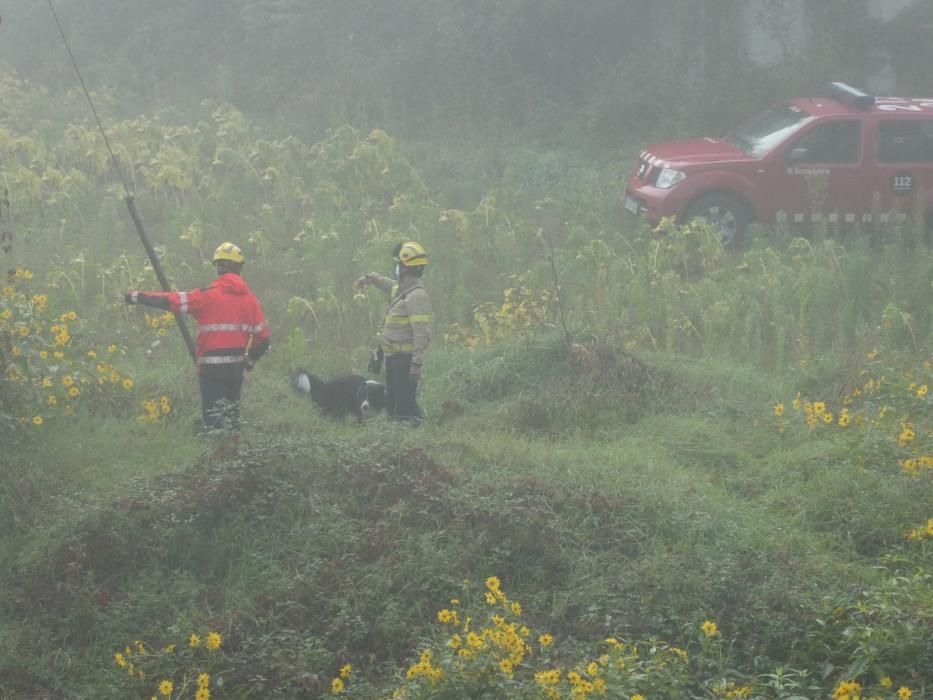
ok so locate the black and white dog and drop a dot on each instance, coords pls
(342, 396)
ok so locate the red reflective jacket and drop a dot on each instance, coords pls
(229, 317)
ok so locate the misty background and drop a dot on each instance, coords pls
(591, 76)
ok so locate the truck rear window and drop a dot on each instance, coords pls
(764, 132)
(905, 141)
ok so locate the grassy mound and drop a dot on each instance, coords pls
(613, 497)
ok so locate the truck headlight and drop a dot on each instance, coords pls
(668, 177)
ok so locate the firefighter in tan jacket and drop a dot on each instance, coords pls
(406, 331)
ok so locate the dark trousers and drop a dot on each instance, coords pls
(401, 390)
(220, 395)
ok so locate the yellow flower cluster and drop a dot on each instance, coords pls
(107, 373)
(161, 322)
(868, 407)
(337, 684)
(46, 355)
(137, 655)
(523, 309)
(907, 434)
(912, 466)
(731, 690)
(203, 692)
(922, 532)
(499, 652)
(424, 668)
(710, 629)
(848, 690)
(40, 301)
(154, 410)
(61, 334)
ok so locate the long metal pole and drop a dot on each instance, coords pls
(129, 199)
(156, 265)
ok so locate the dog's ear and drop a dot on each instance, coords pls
(305, 382)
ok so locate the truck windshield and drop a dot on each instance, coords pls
(762, 133)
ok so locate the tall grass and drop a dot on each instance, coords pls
(633, 483)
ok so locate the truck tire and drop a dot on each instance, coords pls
(725, 212)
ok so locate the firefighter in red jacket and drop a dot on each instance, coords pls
(232, 334)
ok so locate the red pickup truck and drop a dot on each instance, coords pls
(848, 158)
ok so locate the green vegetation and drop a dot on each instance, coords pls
(724, 465)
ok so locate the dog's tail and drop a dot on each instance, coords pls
(305, 382)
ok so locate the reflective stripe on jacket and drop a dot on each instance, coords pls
(229, 318)
(407, 325)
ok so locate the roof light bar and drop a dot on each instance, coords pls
(851, 96)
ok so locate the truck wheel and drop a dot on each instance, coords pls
(728, 215)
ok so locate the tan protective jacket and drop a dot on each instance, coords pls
(407, 325)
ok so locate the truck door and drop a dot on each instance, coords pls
(905, 163)
(821, 173)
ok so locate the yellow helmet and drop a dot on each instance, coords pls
(411, 254)
(229, 251)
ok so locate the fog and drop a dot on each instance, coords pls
(538, 349)
(551, 70)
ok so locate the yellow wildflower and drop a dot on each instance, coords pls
(903, 693)
(710, 629)
(847, 690)
(336, 686)
(922, 391)
(546, 640)
(346, 670)
(194, 641)
(165, 687)
(111, 348)
(204, 680)
(779, 409)
(907, 434)
(37, 420)
(213, 641)
(127, 384)
(202, 694)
